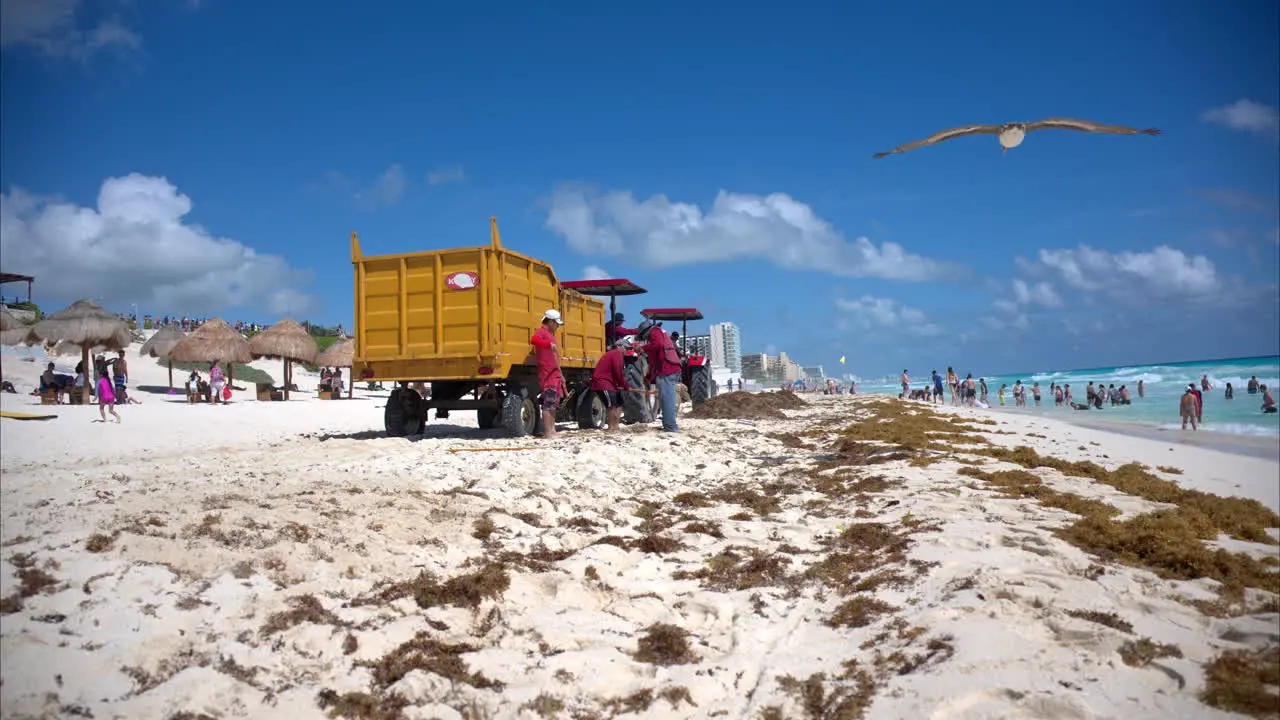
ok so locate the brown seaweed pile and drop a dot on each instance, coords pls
(749, 406)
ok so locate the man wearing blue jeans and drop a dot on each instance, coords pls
(664, 368)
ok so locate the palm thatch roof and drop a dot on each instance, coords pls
(286, 340)
(162, 342)
(70, 348)
(22, 335)
(85, 323)
(214, 340)
(339, 354)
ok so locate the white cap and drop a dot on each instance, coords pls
(553, 315)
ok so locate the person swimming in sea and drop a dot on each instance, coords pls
(1229, 392)
(1268, 402)
(1252, 387)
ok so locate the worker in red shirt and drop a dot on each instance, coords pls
(609, 383)
(664, 369)
(614, 330)
(550, 380)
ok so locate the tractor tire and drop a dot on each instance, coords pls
(699, 385)
(590, 410)
(403, 414)
(635, 405)
(520, 414)
(488, 419)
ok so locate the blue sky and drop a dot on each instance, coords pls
(209, 159)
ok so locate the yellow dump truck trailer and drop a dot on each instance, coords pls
(461, 319)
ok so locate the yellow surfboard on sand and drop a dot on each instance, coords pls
(24, 416)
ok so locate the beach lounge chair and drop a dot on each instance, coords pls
(268, 393)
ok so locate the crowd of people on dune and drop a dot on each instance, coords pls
(191, 324)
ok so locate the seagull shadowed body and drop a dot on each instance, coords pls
(1012, 134)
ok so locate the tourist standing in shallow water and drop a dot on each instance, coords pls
(1187, 407)
(1141, 391)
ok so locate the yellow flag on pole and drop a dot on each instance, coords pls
(841, 359)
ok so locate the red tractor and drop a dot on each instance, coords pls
(590, 410)
(696, 371)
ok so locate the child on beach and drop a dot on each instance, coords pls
(215, 383)
(1000, 392)
(106, 397)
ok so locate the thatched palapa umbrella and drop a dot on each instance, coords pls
(214, 340)
(161, 344)
(288, 341)
(69, 348)
(340, 354)
(85, 324)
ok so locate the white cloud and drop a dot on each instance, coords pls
(50, 27)
(595, 272)
(1241, 200)
(1162, 272)
(660, 233)
(869, 313)
(1247, 116)
(135, 247)
(1016, 321)
(386, 190)
(1042, 294)
(447, 174)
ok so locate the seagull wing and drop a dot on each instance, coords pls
(944, 135)
(1087, 126)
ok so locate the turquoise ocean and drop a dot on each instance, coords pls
(1163, 384)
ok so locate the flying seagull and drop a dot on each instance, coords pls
(1011, 134)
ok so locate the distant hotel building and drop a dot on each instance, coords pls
(770, 368)
(700, 345)
(726, 347)
(815, 373)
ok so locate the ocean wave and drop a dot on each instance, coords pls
(1239, 384)
(1231, 429)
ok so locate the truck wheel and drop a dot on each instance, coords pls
(487, 419)
(590, 410)
(520, 413)
(700, 385)
(635, 406)
(403, 414)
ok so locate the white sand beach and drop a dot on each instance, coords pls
(285, 560)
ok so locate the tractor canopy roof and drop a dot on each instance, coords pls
(604, 287)
(671, 314)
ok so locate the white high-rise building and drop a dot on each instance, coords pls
(726, 346)
(698, 345)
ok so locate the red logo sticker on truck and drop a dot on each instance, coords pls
(462, 281)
